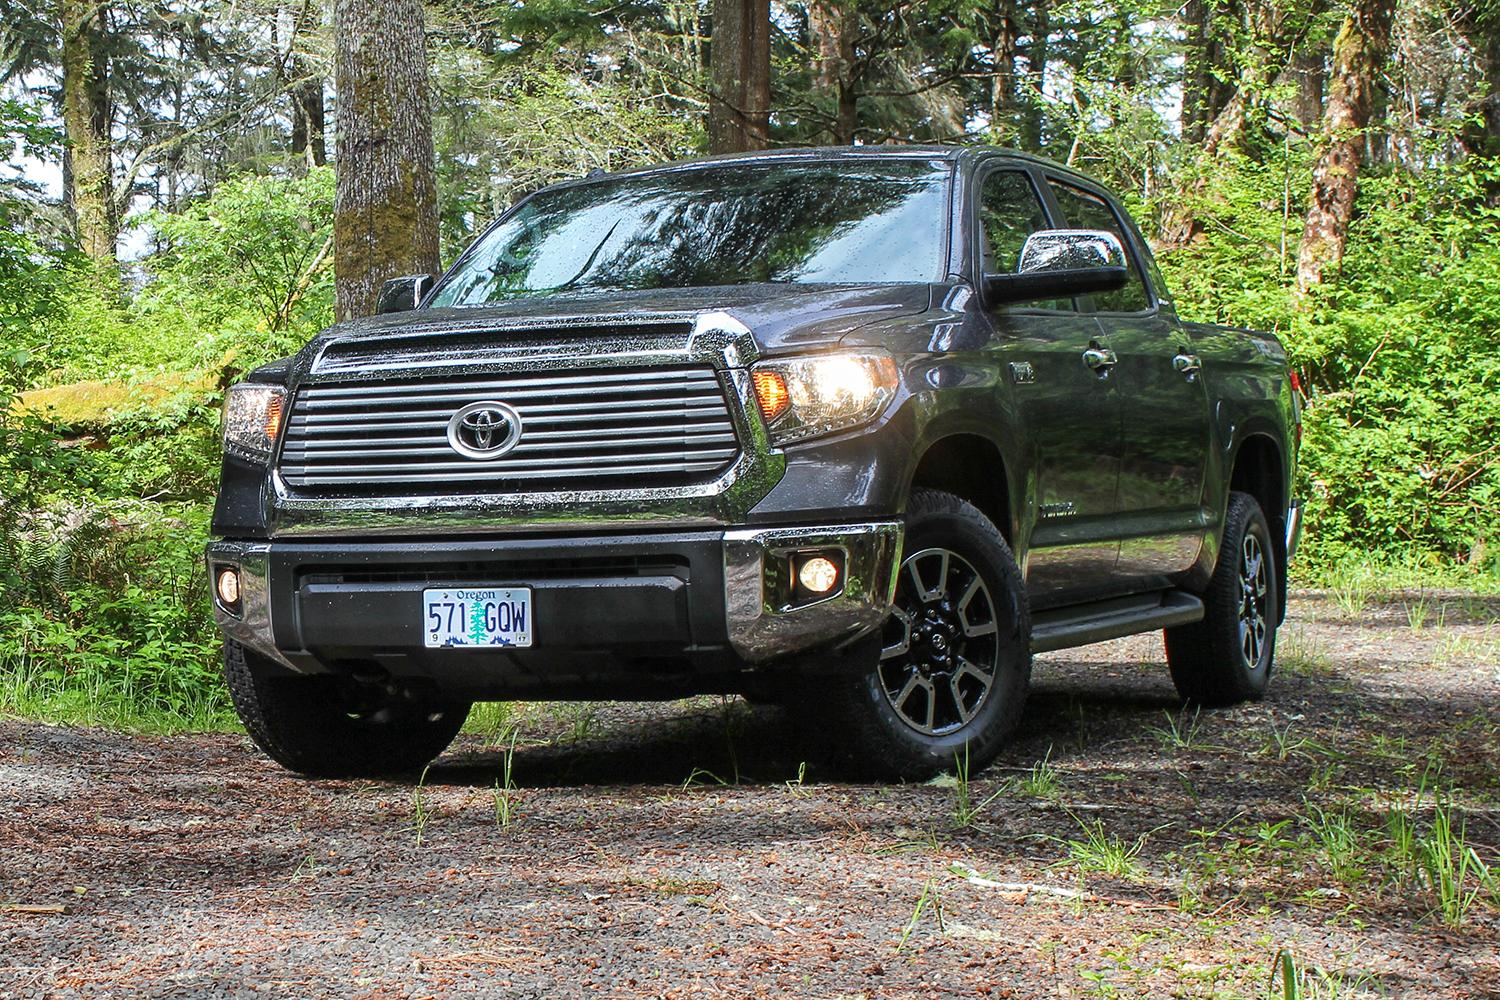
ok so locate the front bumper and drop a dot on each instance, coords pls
(696, 602)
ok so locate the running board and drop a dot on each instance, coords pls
(1064, 628)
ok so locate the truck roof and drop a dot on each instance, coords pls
(952, 154)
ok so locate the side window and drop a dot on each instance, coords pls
(1010, 211)
(1083, 210)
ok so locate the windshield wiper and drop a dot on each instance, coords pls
(587, 264)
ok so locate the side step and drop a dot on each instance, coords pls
(1063, 628)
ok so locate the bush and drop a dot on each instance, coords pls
(104, 619)
(1399, 458)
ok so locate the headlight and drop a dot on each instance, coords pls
(252, 420)
(822, 393)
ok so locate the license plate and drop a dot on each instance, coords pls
(462, 617)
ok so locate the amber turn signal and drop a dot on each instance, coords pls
(273, 418)
(770, 390)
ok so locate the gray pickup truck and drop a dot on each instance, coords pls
(853, 430)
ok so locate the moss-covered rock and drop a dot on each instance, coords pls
(95, 404)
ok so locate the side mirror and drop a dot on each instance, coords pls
(1062, 263)
(405, 293)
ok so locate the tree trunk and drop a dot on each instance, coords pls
(1309, 76)
(833, 35)
(1480, 24)
(1196, 76)
(1036, 72)
(1358, 54)
(308, 120)
(825, 23)
(1003, 82)
(740, 75)
(385, 207)
(86, 123)
(1204, 95)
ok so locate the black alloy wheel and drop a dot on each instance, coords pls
(941, 646)
(949, 680)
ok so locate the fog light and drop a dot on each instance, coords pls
(229, 586)
(818, 574)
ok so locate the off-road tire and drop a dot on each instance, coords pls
(1207, 658)
(304, 723)
(869, 735)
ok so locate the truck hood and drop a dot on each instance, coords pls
(780, 316)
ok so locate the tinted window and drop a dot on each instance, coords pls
(1083, 210)
(841, 222)
(1010, 211)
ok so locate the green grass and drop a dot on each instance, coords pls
(966, 808)
(1180, 732)
(1363, 579)
(1042, 781)
(1311, 983)
(128, 699)
(507, 800)
(1107, 853)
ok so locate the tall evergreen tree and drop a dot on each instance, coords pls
(385, 213)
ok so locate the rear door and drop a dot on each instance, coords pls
(1163, 516)
(1068, 412)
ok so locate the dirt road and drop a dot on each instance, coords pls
(1153, 853)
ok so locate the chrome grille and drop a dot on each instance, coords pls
(581, 429)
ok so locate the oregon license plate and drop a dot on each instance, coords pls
(463, 617)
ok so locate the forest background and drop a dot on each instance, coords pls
(1326, 169)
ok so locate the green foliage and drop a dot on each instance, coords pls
(102, 619)
(258, 254)
(504, 132)
(1399, 456)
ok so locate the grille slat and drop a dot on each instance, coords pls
(335, 438)
(518, 384)
(665, 426)
(440, 449)
(707, 407)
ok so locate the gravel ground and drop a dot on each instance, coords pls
(669, 850)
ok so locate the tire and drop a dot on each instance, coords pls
(330, 727)
(1227, 657)
(951, 677)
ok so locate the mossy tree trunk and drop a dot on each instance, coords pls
(86, 123)
(740, 76)
(385, 208)
(1359, 53)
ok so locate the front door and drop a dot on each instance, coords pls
(1067, 411)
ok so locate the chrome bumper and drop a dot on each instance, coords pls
(764, 614)
(763, 620)
(251, 627)
(1293, 528)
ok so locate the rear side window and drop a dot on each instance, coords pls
(1083, 210)
(1010, 211)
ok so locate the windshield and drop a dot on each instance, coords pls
(840, 222)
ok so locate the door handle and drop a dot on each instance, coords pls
(1100, 359)
(1187, 364)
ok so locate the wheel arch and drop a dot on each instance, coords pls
(972, 467)
(1258, 467)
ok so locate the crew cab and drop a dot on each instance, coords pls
(856, 430)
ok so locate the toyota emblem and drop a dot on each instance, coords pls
(485, 430)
